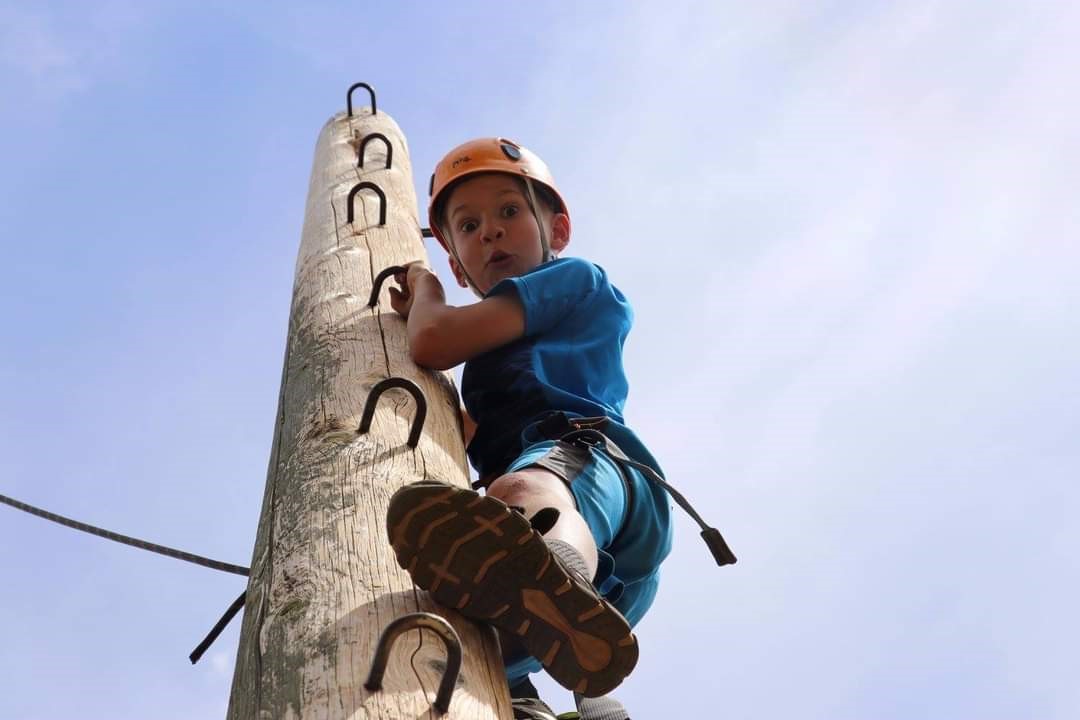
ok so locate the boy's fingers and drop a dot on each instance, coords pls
(402, 276)
(415, 273)
(399, 302)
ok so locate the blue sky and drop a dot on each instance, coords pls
(849, 233)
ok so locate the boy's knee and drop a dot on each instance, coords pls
(512, 487)
(526, 487)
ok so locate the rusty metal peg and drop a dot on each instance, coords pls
(383, 386)
(376, 287)
(415, 621)
(350, 214)
(364, 144)
(348, 97)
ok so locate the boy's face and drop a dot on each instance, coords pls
(495, 233)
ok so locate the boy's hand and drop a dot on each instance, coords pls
(414, 276)
(442, 336)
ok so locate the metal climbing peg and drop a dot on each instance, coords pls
(348, 96)
(376, 287)
(415, 621)
(383, 386)
(350, 213)
(364, 144)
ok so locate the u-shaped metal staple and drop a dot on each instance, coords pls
(364, 144)
(373, 399)
(350, 213)
(376, 287)
(415, 621)
(348, 97)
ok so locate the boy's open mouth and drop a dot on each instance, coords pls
(497, 257)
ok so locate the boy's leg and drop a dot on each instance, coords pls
(532, 490)
(476, 555)
(535, 489)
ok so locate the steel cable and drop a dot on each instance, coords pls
(125, 539)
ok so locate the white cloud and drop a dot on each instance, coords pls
(57, 54)
(31, 46)
(222, 664)
(839, 228)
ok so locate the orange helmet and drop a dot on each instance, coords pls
(486, 155)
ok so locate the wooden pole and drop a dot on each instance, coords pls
(324, 583)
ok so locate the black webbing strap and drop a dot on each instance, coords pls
(590, 430)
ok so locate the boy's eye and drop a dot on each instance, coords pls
(509, 211)
(468, 226)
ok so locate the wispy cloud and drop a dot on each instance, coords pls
(838, 225)
(222, 664)
(31, 46)
(59, 53)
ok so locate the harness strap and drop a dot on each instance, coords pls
(589, 438)
(589, 430)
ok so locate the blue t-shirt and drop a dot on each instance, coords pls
(569, 360)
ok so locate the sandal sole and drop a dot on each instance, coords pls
(476, 555)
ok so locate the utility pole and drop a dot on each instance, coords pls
(324, 583)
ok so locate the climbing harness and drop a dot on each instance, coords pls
(588, 432)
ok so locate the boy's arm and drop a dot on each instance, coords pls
(442, 336)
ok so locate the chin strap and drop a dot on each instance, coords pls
(453, 251)
(545, 246)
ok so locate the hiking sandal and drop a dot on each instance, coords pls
(476, 555)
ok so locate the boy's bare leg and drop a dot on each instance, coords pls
(535, 489)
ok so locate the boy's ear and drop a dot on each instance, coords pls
(560, 232)
(459, 275)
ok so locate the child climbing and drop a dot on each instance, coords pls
(562, 553)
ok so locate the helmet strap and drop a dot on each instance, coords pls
(453, 251)
(545, 246)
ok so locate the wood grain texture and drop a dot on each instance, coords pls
(324, 582)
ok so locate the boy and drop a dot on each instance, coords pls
(563, 552)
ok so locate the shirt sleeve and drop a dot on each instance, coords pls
(551, 291)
